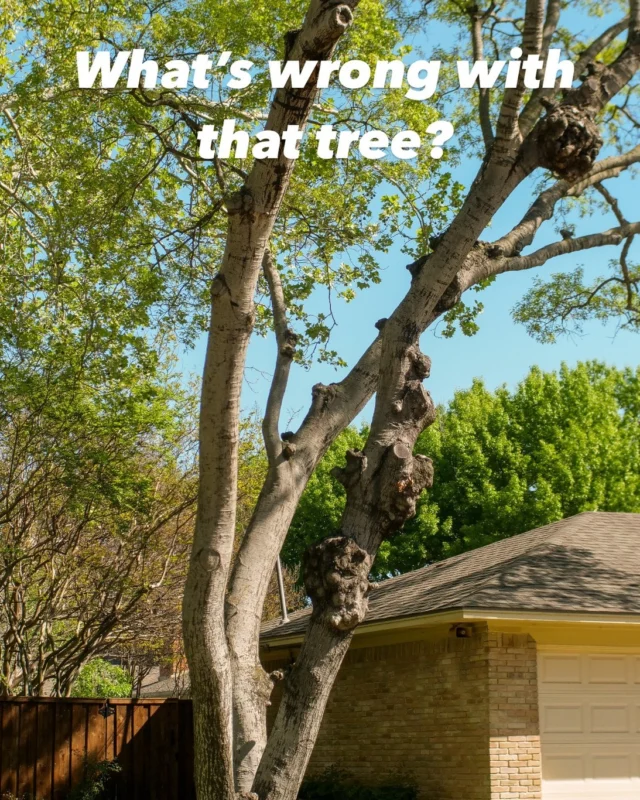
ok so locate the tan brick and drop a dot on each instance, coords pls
(459, 715)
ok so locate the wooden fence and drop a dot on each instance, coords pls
(46, 744)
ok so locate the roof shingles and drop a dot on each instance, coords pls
(586, 563)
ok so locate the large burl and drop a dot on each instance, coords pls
(336, 576)
(568, 140)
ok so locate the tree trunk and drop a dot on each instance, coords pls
(251, 685)
(382, 484)
(384, 481)
(332, 411)
(252, 214)
(307, 691)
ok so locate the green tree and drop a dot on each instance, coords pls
(107, 205)
(505, 462)
(509, 461)
(99, 678)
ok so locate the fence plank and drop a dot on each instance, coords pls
(170, 727)
(186, 757)
(139, 772)
(44, 754)
(124, 726)
(78, 742)
(45, 744)
(95, 734)
(27, 750)
(62, 751)
(10, 728)
(110, 749)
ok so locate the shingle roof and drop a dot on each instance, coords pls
(587, 563)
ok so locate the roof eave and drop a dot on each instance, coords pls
(471, 615)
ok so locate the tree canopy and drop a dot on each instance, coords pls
(105, 190)
(505, 461)
(120, 244)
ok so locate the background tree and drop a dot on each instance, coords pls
(98, 502)
(104, 190)
(99, 678)
(506, 462)
(97, 505)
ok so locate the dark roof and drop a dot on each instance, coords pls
(587, 563)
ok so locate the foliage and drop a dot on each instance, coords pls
(96, 502)
(564, 302)
(99, 678)
(336, 784)
(505, 462)
(98, 776)
(112, 229)
(122, 206)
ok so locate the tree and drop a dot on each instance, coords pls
(97, 505)
(559, 444)
(147, 213)
(506, 462)
(99, 678)
(98, 502)
(384, 479)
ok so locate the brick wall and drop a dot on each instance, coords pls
(513, 715)
(417, 708)
(459, 715)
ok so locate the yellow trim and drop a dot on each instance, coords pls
(496, 616)
(425, 620)
(576, 617)
(589, 648)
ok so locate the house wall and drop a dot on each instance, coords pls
(457, 715)
(514, 733)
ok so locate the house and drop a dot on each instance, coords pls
(512, 671)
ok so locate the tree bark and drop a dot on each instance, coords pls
(332, 410)
(384, 481)
(252, 213)
(383, 484)
(307, 691)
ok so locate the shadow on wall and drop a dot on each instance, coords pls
(46, 745)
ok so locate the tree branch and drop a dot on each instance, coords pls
(544, 205)
(534, 107)
(286, 342)
(613, 236)
(532, 38)
(611, 200)
(550, 25)
(484, 94)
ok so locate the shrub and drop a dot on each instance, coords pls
(97, 781)
(99, 678)
(337, 784)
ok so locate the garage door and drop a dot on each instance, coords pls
(590, 725)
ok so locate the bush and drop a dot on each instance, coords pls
(97, 780)
(99, 678)
(336, 784)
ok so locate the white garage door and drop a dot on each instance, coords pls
(590, 725)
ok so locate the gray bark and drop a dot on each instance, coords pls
(252, 213)
(231, 690)
(333, 409)
(375, 505)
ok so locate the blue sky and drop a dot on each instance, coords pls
(502, 352)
